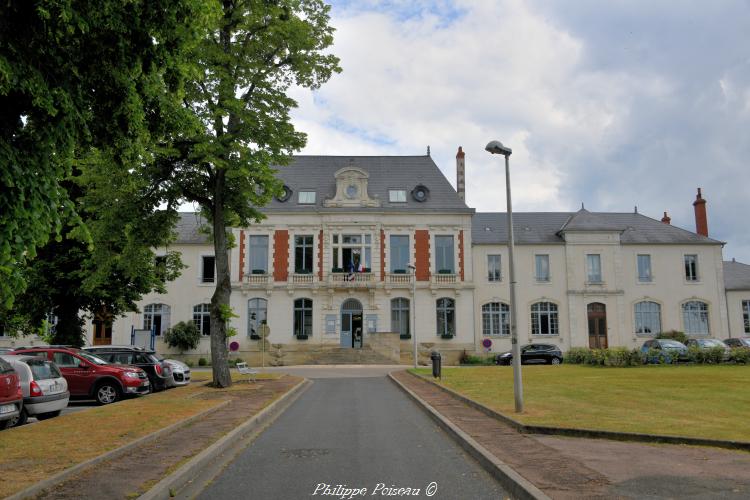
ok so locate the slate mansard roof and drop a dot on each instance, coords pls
(549, 227)
(317, 173)
(736, 275)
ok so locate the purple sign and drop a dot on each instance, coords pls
(234, 346)
(487, 343)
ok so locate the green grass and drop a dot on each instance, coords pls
(697, 401)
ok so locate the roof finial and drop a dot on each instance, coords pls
(428, 150)
(582, 207)
(635, 209)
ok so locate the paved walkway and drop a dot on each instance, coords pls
(570, 468)
(357, 431)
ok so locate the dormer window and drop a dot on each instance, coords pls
(306, 198)
(397, 195)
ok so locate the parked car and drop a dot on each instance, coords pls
(180, 372)
(737, 342)
(706, 344)
(158, 373)
(533, 354)
(11, 397)
(89, 376)
(672, 350)
(45, 390)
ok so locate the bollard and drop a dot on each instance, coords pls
(436, 365)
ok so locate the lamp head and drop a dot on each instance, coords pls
(497, 148)
(411, 266)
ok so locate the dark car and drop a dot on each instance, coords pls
(90, 376)
(672, 350)
(533, 354)
(11, 397)
(706, 344)
(737, 342)
(158, 372)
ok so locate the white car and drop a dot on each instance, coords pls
(180, 373)
(45, 390)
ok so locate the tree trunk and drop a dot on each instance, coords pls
(69, 328)
(220, 299)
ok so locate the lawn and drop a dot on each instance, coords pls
(697, 401)
(34, 452)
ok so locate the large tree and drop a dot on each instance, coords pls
(76, 74)
(247, 64)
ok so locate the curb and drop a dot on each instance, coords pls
(166, 488)
(590, 433)
(517, 486)
(45, 484)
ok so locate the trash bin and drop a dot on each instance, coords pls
(436, 364)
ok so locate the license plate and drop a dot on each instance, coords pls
(7, 409)
(55, 388)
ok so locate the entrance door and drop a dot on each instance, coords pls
(597, 314)
(351, 324)
(102, 327)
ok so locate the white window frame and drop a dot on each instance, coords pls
(306, 197)
(366, 247)
(691, 275)
(293, 242)
(537, 277)
(398, 311)
(594, 268)
(201, 276)
(453, 252)
(538, 311)
(389, 253)
(397, 195)
(648, 276)
(157, 309)
(304, 310)
(249, 255)
(647, 313)
(448, 306)
(495, 319)
(201, 317)
(695, 312)
(254, 323)
(495, 275)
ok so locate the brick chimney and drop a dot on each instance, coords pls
(701, 219)
(460, 174)
(666, 219)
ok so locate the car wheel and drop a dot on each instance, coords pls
(49, 414)
(107, 393)
(555, 361)
(21, 419)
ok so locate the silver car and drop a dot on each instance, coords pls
(180, 373)
(45, 390)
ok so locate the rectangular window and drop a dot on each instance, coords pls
(644, 268)
(306, 197)
(257, 254)
(208, 272)
(444, 262)
(691, 267)
(594, 268)
(352, 253)
(541, 267)
(303, 254)
(397, 195)
(746, 315)
(399, 253)
(493, 268)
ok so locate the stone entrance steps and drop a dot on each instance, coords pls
(346, 356)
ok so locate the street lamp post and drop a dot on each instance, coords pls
(413, 309)
(496, 147)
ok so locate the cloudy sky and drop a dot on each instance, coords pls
(614, 104)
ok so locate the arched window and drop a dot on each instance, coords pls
(156, 316)
(496, 319)
(202, 318)
(446, 317)
(303, 318)
(257, 314)
(647, 318)
(544, 320)
(400, 317)
(695, 317)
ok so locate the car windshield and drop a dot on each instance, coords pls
(91, 358)
(42, 369)
(5, 367)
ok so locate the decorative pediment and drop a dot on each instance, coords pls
(351, 189)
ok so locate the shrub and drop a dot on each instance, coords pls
(674, 335)
(714, 355)
(470, 359)
(622, 356)
(183, 335)
(740, 355)
(202, 362)
(576, 355)
(190, 363)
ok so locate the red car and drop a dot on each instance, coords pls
(11, 397)
(89, 376)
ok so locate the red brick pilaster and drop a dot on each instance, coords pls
(461, 254)
(281, 255)
(382, 255)
(320, 255)
(242, 254)
(422, 251)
